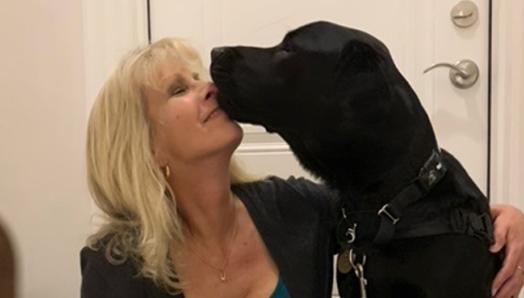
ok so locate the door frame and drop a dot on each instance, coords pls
(506, 127)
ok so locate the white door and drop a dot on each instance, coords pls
(418, 33)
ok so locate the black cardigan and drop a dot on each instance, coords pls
(296, 220)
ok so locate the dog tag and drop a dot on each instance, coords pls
(343, 263)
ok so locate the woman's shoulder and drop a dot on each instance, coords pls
(274, 185)
(95, 259)
(101, 278)
(104, 278)
(296, 193)
(304, 186)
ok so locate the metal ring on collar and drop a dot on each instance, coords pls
(353, 261)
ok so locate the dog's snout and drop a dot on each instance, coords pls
(217, 52)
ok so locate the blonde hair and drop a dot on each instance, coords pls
(139, 207)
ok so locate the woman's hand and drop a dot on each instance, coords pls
(509, 235)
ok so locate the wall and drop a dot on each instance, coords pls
(43, 197)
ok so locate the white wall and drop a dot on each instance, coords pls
(43, 197)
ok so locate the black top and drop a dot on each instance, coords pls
(296, 220)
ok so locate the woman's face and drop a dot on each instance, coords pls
(187, 124)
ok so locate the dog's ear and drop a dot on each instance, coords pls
(357, 56)
(360, 71)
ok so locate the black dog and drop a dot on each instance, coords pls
(335, 95)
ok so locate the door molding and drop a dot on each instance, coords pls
(507, 107)
(110, 29)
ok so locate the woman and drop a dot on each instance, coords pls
(181, 219)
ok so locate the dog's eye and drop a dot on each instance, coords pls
(287, 47)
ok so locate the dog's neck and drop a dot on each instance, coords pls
(368, 176)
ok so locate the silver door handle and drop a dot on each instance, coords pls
(462, 15)
(462, 74)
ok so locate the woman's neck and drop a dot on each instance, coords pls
(205, 201)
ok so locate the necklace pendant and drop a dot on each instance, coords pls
(223, 277)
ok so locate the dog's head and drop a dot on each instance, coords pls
(319, 72)
(334, 94)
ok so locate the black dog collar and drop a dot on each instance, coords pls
(459, 221)
(429, 175)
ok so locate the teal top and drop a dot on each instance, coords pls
(280, 291)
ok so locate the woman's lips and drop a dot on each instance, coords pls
(213, 113)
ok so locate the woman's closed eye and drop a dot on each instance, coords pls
(177, 90)
(180, 86)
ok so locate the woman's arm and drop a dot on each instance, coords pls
(509, 235)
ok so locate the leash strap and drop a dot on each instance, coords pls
(459, 222)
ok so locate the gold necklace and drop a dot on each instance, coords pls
(221, 271)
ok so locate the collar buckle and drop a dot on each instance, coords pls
(388, 214)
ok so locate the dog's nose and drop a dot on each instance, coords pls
(217, 52)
